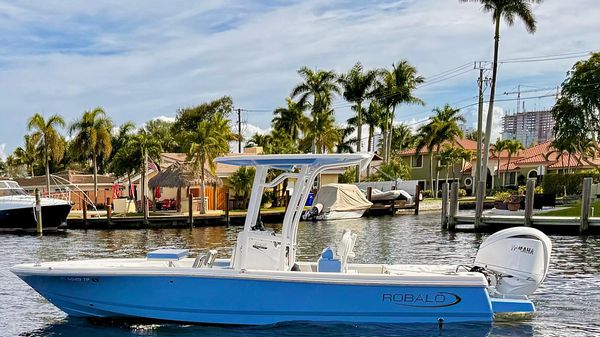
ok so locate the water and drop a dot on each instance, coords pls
(567, 303)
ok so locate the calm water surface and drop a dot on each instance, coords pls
(568, 302)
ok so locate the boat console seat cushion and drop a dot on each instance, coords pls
(167, 254)
(328, 263)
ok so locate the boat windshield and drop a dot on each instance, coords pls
(10, 188)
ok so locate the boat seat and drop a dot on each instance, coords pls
(205, 261)
(346, 248)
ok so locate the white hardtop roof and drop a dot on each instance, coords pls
(289, 161)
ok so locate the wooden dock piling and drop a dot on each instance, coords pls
(444, 206)
(191, 210)
(453, 206)
(227, 208)
(417, 199)
(84, 211)
(369, 192)
(529, 193)
(586, 200)
(38, 211)
(109, 213)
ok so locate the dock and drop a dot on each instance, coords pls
(452, 220)
(170, 220)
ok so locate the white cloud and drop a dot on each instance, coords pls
(139, 61)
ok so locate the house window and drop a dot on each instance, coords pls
(417, 161)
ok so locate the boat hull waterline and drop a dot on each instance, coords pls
(23, 218)
(215, 300)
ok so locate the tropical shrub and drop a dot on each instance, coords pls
(570, 183)
(427, 193)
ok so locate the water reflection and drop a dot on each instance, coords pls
(566, 302)
(76, 328)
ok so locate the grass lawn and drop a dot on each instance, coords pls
(574, 210)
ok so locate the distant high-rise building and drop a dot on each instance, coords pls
(529, 127)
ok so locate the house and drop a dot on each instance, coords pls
(72, 185)
(502, 171)
(419, 164)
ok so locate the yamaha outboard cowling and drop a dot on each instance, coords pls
(515, 260)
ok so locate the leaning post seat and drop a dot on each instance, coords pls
(328, 263)
(170, 255)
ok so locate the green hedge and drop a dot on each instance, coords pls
(556, 182)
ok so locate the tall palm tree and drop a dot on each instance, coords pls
(93, 139)
(507, 10)
(48, 139)
(321, 86)
(27, 155)
(291, 118)
(442, 127)
(396, 86)
(209, 141)
(497, 148)
(356, 86)
(513, 147)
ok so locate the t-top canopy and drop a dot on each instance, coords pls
(289, 161)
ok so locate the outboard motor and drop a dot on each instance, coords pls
(313, 212)
(515, 260)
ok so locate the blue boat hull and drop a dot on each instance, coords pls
(231, 300)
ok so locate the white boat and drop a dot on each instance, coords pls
(379, 195)
(264, 283)
(337, 202)
(17, 209)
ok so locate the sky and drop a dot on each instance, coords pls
(145, 59)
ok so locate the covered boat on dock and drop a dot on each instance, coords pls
(263, 282)
(338, 201)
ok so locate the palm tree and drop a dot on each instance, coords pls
(209, 141)
(404, 138)
(442, 127)
(27, 155)
(356, 85)
(93, 139)
(319, 85)
(497, 148)
(374, 118)
(322, 133)
(48, 140)
(241, 182)
(346, 142)
(396, 86)
(507, 10)
(291, 118)
(261, 140)
(513, 147)
(586, 148)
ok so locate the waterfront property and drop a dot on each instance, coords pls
(72, 185)
(504, 169)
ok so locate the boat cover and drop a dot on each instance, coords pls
(341, 197)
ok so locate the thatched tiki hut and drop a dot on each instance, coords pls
(181, 175)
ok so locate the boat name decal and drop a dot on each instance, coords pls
(80, 279)
(424, 300)
(522, 249)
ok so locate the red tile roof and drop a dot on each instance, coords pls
(464, 143)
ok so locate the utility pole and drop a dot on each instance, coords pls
(239, 113)
(478, 186)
